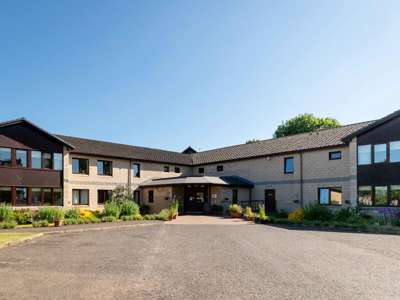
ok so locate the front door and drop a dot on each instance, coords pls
(270, 201)
(195, 198)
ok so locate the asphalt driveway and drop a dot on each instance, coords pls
(202, 259)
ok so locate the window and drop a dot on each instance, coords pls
(36, 159)
(80, 166)
(395, 195)
(177, 170)
(330, 196)
(201, 170)
(80, 197)
(36, 196)
(166, 169)
(104, 167)
(136, 170)
(58, 197)
(103, 196)
(21, 196)
(335, 155)
(151, 196)
(47, 197)
(21, 158)
(5, 195)
(395, 151)
(5, 157)
(136, 196)
(380, 153)
(47, 161)
(58, 161)
(220, 168)
(234, 196)
(365, 195)
(364, 155)
(289, 165)
(381, 194)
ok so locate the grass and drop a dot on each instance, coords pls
(10, 237)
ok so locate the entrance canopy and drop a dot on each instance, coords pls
(202, 180)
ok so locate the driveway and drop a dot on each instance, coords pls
(177, 260)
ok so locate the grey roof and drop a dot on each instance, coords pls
(300, 142)
(100, 148)
(213, 180)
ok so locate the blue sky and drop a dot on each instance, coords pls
(169, 74)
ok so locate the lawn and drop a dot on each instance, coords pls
(10, 237)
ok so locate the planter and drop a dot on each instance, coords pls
(58, 223)
(236, 215)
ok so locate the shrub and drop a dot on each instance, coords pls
(40, 223)
(85, 213)
(72, 213)
(93, 219)
(129, 208)
(6, 213)
(111, 209)
(235, 210)
(23, 216)
(108, 219)
(317, 212)
(8, 224)
(174, 208)
(163, 215)
(132, 218)
(122, 194)
(248, 214)
(72, 221)
(50, 214)
(297, 215)
(150, 217)
(261, 213)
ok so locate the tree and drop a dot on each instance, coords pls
(252, 141)
(304, 123)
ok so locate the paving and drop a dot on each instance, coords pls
(202, 258)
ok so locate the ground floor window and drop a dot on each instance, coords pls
(80, 197)
(379, 195)
(330, 196)
(5, 195)
(394, 195)
(103, 196)
(21, 196)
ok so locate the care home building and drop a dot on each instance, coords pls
(353, 165)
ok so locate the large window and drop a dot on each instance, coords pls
(381, 196)
(21, 196)
(58, 197)
(5, 195)
(395, 151)
(21, 158)
(47, 161)
(335, 155)
(380, 153)
(58, 161)
(80, 166)
(395, 195)
(330, 196)
(36, 159)
(5, 157)
(103, 196)
(80, 197)
(365, 195)
(364, 155)
(151, 196)
(36, 196)
(104, 167)
(47, 197)
(289, 165)
(136, 170)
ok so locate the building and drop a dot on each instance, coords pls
(353, 165)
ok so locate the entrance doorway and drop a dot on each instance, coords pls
(270, 201)
(196, 196)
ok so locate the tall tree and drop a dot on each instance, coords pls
(304, 123)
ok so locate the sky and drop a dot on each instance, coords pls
(169, 74)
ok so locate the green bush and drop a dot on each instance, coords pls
(163, 215)
(132, 218)
(6, 213)
(8, 224)
(50, 214)
(346, 214)
(94, 219)
(174, 208)
(129, 208)
(40, 223)
(72, 213)
(262, 216)
(23, 216)
(111, 209)
(317, 212)
(150, 217)
(71, 221)
(108, 219)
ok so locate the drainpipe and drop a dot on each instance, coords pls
(301, 179)
(129, 174)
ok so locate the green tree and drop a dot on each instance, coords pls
(252, 141)
(304, 123)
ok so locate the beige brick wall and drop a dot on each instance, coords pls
(162, 198)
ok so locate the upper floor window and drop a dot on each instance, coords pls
(220, 168)
(289, 165)
(166, 168)
(395, 151)
(136, 170)
(177, 170)
(104, 167)
(47, 161)
(36, 159)
(21, 157)
(80, 166)
(201, 170)
(364, 155)
(330, 196)
(335, 155)
(58, 161)
(5, 157)
(380, 153)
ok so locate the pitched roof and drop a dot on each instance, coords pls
(224, 180)
(101, 148)
(300, 142)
